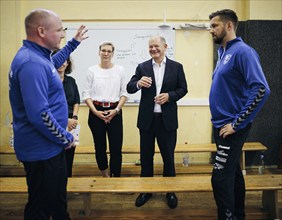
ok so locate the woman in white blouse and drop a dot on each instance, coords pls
(105, 94)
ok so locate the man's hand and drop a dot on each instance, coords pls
(79, 36)
(72, 144)
(162, 98)
(145, 82)
(226, 130)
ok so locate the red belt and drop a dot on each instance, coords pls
(106, 104)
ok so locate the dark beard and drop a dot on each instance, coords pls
(219, 39)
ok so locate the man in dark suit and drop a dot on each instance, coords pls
(162, 83)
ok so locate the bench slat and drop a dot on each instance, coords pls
(180, 148)
(85, 169)
(269, 184)
(195, 183)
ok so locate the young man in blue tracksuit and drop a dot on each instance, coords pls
(40, 114)
(238, 91)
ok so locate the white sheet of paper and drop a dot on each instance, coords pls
(75, 133)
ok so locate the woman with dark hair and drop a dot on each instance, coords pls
(73, 100)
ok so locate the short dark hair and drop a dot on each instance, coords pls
(68, 70)
(226, 15)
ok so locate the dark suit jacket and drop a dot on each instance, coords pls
(174, 83)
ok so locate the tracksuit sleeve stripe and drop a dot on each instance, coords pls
(251, 108)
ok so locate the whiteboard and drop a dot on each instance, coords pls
(131, 48)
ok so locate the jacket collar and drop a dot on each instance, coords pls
(37, 48)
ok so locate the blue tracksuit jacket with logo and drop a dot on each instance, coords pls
(239, 88)
(40, 112)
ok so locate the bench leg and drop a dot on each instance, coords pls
(270, 202)
(87, 203)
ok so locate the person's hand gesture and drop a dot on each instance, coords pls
(72, 144)
(162, 98)
(145, 81)
(109, 115)
(80, 34)
(226, 130)
(72, 123)
(102, 115)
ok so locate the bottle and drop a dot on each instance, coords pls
(185, 160)
(261, 165)
(11, 138)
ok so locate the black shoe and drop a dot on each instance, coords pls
(142, 199)
(171, 200)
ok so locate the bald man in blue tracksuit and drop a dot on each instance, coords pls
(238, 92)
(40, 114)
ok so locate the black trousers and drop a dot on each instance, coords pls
(114, 130)
(69, 160)
(166, 141)
(47, 193)
(227, 178)
(70, 156)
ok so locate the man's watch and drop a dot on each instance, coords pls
(118, 111)
(75, 117)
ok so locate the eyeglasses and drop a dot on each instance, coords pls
(106, 51)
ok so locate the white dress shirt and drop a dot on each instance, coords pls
(159, 70)
(105, 85)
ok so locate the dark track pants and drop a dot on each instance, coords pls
(47, 194)
(227, 178)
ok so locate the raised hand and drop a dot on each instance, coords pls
(80, 34)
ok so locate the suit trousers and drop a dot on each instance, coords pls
(227, 178)
(114, 130)
(69, 160)
(47, 193)
(166, 141)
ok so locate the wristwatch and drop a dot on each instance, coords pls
(75, 117)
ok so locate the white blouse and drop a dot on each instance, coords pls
(105, 85)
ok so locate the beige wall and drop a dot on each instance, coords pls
(265, 10)
(193, 49)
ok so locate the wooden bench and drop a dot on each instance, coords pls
(180, 148)
(269, 184)
(127, 170)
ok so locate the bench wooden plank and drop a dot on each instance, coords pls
(193, 183)
(269, 184)
(86, 169)
(197, 183)
(180, 148)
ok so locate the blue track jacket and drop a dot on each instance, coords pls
(40, 111)
(239, 88)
